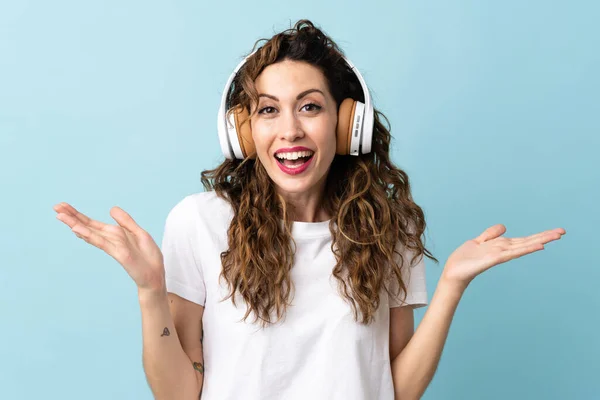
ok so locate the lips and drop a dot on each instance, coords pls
(292, 149)
(294, 160)
(295, 170)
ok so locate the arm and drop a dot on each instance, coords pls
(402, 328)
(414, 367)
(171, 326)
(172, 361)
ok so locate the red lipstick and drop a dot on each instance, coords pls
(294, 170)
(290, 149)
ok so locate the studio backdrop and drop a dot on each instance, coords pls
(493, 108)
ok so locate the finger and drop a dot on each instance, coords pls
(110, 232)
(69, 220)
(87, 221)
(491, 233)
(536, 242)
(75, 225)
(520, 251)
(543, 238)
(93, 238)
(559, 231)
(65, 208)
(126, 221)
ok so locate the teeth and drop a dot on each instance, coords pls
(294, 155)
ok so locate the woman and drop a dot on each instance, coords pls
(296, 273)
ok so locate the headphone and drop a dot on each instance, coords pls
(354, 129)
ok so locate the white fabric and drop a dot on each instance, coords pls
(317, 352)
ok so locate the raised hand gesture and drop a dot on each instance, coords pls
(126, 242)
(489, 249)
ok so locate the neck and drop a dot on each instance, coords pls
(306, 207)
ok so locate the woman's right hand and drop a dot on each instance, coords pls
(126, 242)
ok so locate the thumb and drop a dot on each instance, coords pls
(491, 233)
(125, 220)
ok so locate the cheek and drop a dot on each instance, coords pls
(260, 136)
(327, 136)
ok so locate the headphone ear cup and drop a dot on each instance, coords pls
(243, 129)
(344, 126)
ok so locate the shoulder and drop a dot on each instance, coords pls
(201, 203)
(203, 207)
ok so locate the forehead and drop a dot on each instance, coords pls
(290, 76)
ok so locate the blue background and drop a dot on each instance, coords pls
(494, 108)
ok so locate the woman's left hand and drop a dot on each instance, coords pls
(489, 249)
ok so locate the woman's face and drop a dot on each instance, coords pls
(294, 127)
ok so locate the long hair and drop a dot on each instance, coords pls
(368, 196)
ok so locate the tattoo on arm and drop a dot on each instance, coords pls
(165, 332)
(199, 367)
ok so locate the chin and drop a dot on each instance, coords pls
(304, 182)
(293, 187)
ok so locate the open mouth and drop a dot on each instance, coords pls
(294, 163)
(294, 159)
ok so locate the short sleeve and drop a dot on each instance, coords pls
(413, 276)
(183, 271)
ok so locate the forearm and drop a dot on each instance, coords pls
(414, 367)
(169, 371)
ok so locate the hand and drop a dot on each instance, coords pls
(127, 243)
(489, 249)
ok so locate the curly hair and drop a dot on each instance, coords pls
(370, 200)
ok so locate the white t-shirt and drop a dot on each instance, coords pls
(317, 352)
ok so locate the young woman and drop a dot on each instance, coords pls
(295, 275)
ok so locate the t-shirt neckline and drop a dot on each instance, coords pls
(302, 229)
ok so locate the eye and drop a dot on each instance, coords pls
(266, 110)
(312, 107)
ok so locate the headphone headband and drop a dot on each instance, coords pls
(228, 138)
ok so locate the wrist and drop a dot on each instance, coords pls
(152, 294)
(453, 285)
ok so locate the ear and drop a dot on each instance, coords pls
(344, 126)
(243, 126)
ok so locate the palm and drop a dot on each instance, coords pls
(490, 248)
(127, 243)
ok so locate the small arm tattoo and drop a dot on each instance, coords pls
(199, 367)
(165, 332)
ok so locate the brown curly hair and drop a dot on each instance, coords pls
(368, 196)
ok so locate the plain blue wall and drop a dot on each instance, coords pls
(494, 107)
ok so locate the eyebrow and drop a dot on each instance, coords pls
(301, 95)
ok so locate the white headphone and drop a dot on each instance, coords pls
(354, 129)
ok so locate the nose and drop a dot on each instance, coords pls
(290, 128)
